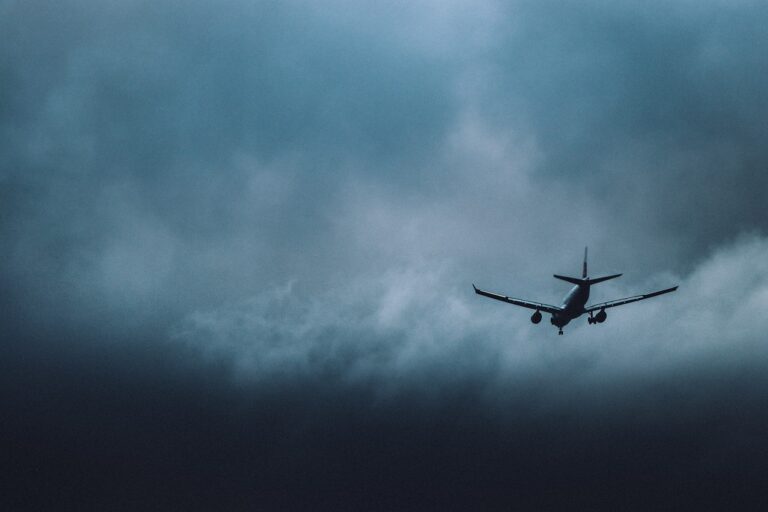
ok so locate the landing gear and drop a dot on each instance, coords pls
(558, 322)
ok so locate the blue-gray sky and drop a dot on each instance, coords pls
(239, 240)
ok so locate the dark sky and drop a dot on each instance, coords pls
(238, 241)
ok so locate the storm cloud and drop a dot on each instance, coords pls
(239, 240)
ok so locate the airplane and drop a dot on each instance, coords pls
(573, 305)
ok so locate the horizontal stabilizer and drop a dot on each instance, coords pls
(595, 280)
(574, 280)
(589, 280)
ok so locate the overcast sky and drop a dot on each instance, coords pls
(239, 239)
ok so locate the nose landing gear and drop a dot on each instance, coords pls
(560, 331)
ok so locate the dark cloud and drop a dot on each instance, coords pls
(653, 111)
(239, 238)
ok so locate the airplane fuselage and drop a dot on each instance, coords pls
(572, 305)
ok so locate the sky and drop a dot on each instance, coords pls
(239, 238)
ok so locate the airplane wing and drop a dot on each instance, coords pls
(627, 300)
(518, 302)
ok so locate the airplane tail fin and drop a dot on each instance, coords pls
(584, 279)
(576, 280)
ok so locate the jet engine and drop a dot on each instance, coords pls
(601, 316)
(536, 317)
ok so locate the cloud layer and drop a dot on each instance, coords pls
(239, 241)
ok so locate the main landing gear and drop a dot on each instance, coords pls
(599, 318)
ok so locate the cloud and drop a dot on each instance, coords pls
(239, 241)
(409, 330)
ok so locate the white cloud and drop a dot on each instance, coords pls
(422, 331)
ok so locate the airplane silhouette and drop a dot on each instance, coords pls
(573, 305)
